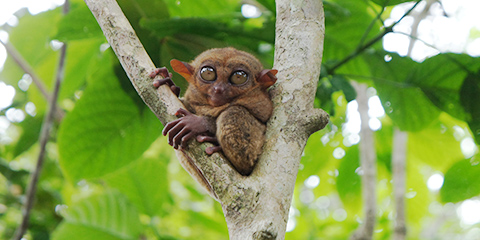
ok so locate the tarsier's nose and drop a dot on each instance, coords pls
(219, 89)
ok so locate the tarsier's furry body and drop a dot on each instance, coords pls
(227, 103)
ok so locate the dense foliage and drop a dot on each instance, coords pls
(109, 173)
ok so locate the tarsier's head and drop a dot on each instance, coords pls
(223, 74)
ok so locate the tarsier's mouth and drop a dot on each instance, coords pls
(218, 100)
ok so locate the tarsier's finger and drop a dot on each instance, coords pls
(182, 112)
(185, 139)
(169, 126)
(160, 71)
(178, 138)
(175, 90)
(174, 131)
(159, 82)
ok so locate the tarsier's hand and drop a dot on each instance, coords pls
(167, 79)
(183, 129)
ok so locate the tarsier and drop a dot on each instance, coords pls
(227, 104)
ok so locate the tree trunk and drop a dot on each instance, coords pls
(368, 163)
(257, 206)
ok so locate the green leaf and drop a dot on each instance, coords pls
(82, 57)
(205, 27)
(461, 181)
(402, 98)
(30, 128)
(470, 98)
(106, 216)
(135, 10)
(105, 131)
(195, 8)
(145, 184)
(340, 83)
(440, 77)
(436, 144)
(385, 3)
(79, 24)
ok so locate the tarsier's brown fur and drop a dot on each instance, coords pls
(234, 115)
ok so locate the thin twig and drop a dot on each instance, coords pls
(362, 48)
(22, 63)
(44, 137)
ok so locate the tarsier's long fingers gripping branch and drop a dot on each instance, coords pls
(227, 103)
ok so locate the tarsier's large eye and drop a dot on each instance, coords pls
(238, 77)
(208, 74)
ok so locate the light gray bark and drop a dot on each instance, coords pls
(255, 207)
(368, 163)
(399, 157)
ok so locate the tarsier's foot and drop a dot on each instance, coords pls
(214, 140)
(166, 79)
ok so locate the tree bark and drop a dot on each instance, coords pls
(368, 163)
(257, 206)
(399, 158)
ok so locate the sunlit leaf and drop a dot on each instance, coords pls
(145, 184)
(107, 216)
(105, 131)
(401, 98)
(385, 3)
(461, 181)
(436, 145)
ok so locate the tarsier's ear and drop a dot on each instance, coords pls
(267, 78)
(182, 68)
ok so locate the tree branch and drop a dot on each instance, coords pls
(44, 136)
(368, 163)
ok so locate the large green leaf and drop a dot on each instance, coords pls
(470, 98)
(82, 57)
(106, 216)
(385, 3)
(436, 144)
(105, 131)
(195, 8)
(402, 98)
(413, 93)
(441, 77)
(145, 184)
(461, 181)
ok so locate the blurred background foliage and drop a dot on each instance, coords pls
(109, 174)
